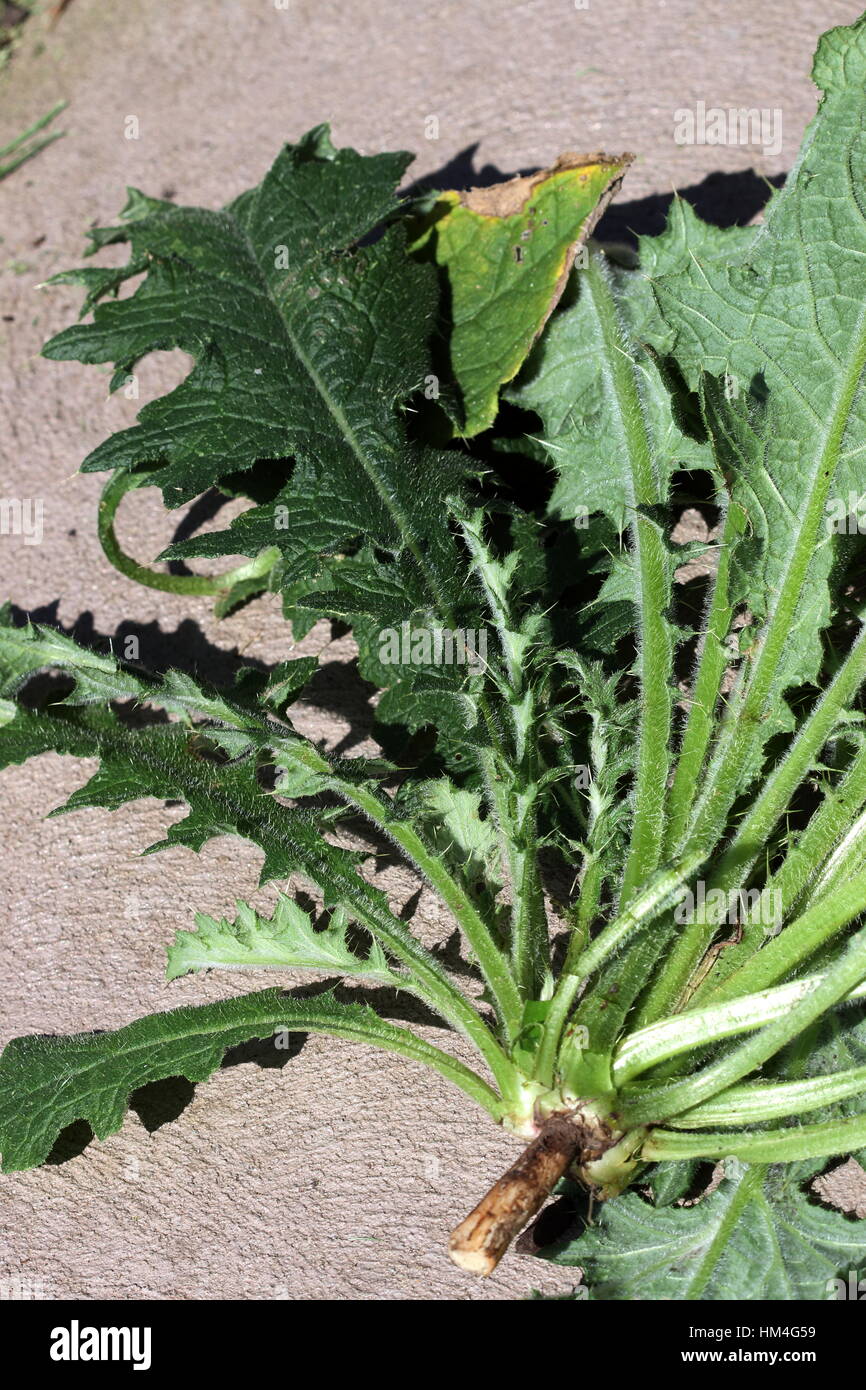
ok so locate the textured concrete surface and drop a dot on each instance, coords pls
(340, 1174)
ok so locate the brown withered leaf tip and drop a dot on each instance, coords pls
(511, 196)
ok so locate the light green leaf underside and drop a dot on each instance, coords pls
(287, 940)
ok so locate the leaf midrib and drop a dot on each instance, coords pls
(353, 1028)
(735, 751)
(348, 433)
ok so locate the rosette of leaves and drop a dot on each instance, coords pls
(698, 771)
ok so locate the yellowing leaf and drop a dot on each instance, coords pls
(507, 251)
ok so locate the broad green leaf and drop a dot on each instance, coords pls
(507, 251)
(285, 941)
(301, 351)
(783, 319)
(754, 1238)
(310, 337)
(47, 1083)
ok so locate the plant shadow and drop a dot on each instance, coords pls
(726, 199)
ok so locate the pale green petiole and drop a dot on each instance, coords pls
(767, 1146)
(754, 1103)
(839, 982)
(797, 941)
(682, 1032)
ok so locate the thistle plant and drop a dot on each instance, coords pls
(466, 429)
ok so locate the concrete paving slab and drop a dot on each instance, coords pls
(327, 1178)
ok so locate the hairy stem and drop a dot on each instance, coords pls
(671, 1098)
(712, 663)
(799, 878)
(685, 1032)
(797, 942)
(582, 960)
(491, 962)
(112, 495)
(654, 659)
(672, 987)
(767, 1146)
(752, 1104)
(515, 816)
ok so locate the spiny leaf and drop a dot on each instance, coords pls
(751, 1239)
(301, 350)
(287, 940)
(782, 318)
(281, 687)
(170, 761)
(47, 1083)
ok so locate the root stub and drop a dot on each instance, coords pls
(480, 1241)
